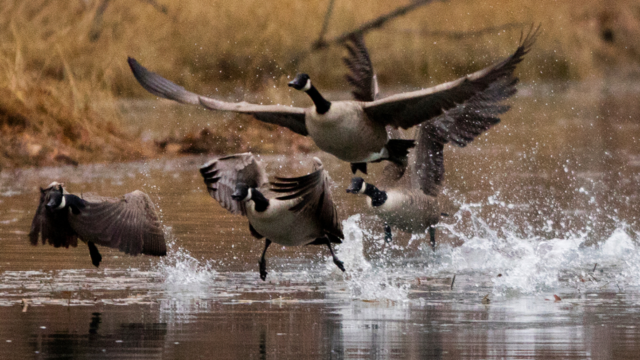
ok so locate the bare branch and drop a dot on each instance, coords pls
(459, 35)
(154, 3)
(370, 25)
(325, 23)
(96, 26)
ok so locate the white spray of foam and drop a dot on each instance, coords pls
(179, 268)
(531, 264)
(364, 281)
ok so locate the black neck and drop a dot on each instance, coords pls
(378, 197)
(262, 203)
(74, 202)
(322, 105)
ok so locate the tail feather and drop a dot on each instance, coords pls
(359, 166)
(399, 149)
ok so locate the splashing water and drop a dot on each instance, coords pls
(521, 264)
(179, 268)
(511, 260)
(364, 281)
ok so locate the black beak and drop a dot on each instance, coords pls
(292, 83)
(51, 204)
(237, 195)
(351, 190)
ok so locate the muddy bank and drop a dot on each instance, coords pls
(43, 131)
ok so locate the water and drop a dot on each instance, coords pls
(542, 258)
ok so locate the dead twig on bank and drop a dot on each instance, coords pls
(368, 26)
(459, 35)
(376, 23)
(325, 23)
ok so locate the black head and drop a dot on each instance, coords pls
(356, 186)
(54, 196)
(241, 193)
(301, 82)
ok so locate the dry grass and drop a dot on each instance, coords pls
(57, 62)
(243, 43)
(46, 119)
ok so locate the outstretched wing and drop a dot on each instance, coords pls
(464, 122)
(221, 176)
(287, 116)
(361, 74)
(409, 109)
(316, 197)
(428, 168)
(52, 226)
(129, 224)
(459, 125)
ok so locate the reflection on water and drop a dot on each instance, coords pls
(148, 337)
(548, 207)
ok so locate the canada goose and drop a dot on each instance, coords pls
(402, 203)
(410, 202)
(353, 131)
(306, 215)
(129, 224)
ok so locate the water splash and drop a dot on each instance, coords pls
(518, 262)
(364, 281)
(502, 252)
(179, 268)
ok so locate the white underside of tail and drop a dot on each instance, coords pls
(382, 154)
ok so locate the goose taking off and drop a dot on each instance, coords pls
(129, 224)
(410, 202)
(302, 214)
(354, 131)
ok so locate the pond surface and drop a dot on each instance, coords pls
(542, 259)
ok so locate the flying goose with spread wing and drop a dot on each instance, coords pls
(354, 130)
(289, 211)
(129, 224)
(409, 200)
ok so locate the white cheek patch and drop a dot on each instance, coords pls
(248, 197)
(363, 188)
(307, 86)
(62, 204)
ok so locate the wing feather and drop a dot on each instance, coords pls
(361, 75)
(129, 224)
(409, 109)
(459, 125)
(317, 201)
(221, 176)
(428, 168)
(292, 118)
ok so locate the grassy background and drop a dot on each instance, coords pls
(62, 66)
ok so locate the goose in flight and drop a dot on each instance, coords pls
(354, 130)
(410, 202)
(129, 224)
(289, 211)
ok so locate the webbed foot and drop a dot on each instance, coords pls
(432, 237)
(388, 237)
